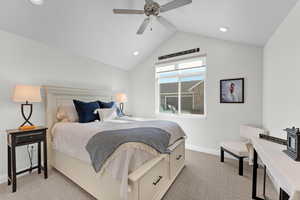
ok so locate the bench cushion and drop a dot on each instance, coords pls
(236, 147)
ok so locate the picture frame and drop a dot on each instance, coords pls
(232, 90)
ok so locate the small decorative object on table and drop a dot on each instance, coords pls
(27, 94)
(273, 139)
(293, 143)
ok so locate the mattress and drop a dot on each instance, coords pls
(71, 139)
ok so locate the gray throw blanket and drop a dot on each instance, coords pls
(102, 145)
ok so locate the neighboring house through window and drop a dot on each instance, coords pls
(181, 87)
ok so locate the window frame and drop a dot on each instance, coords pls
(157, 88)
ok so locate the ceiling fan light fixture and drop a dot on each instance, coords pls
(37, 2)
(224, 29)
(136, 53)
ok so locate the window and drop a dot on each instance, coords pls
(181, 87)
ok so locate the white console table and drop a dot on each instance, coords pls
(284, 170)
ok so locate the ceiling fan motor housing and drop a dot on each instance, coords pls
(152, 8)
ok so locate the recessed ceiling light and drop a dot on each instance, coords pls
(136, 53)
(37, 2)
(224, 29)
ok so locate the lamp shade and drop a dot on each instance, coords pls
(121, 97)
(27, 93)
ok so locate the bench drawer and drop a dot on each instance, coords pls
(154, 181)
(177, 159)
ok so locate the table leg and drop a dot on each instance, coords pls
(254, 177)
(241, 166)
(222, 154)
(265, 181)
(14, 170)
(283, 195)
(45, 157)
(39, 158)
(9, 165)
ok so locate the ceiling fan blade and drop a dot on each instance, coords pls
(174, 4)
(166, 23)
(143, 26)
(128, 11)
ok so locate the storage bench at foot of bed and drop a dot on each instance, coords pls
(149, 182)
(156, 176)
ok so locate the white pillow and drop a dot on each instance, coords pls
(67, 113)
(107, 113)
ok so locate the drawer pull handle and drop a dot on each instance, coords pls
(179, 157)
(158, 180)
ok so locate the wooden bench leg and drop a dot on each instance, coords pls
(222, 155)
(241, 166)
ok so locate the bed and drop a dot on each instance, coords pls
(150, 179)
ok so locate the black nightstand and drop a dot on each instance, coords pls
(18, 137)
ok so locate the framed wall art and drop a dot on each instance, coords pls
(232, 90)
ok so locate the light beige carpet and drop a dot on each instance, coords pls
(203, 178)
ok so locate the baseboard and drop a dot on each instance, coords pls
(211, 151)
(3, 179)
(202, 149)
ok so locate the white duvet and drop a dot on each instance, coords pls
(71, 139)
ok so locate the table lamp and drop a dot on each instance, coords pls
(121, 98)
(27, 94)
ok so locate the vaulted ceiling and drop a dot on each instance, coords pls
(89, 28)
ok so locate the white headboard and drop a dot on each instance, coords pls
(56, 96)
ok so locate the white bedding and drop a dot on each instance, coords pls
(71, 139)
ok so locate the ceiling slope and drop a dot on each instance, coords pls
(89, 28)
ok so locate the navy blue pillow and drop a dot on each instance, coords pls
(86, 111)
(106, 104)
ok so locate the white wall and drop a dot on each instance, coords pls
(225, 60)
(24, 61)
(281, 79)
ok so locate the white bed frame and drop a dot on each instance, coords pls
(149, 182)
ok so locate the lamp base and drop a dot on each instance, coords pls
(25, 128)
(122, 107)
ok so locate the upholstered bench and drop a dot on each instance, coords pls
(239, 149)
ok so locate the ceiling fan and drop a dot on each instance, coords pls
(154, 9)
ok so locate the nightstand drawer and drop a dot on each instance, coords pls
(29, 138)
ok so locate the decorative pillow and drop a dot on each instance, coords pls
(86, 111)
(111, 104)
(107, 113)
(67, 113)
(106, 104)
